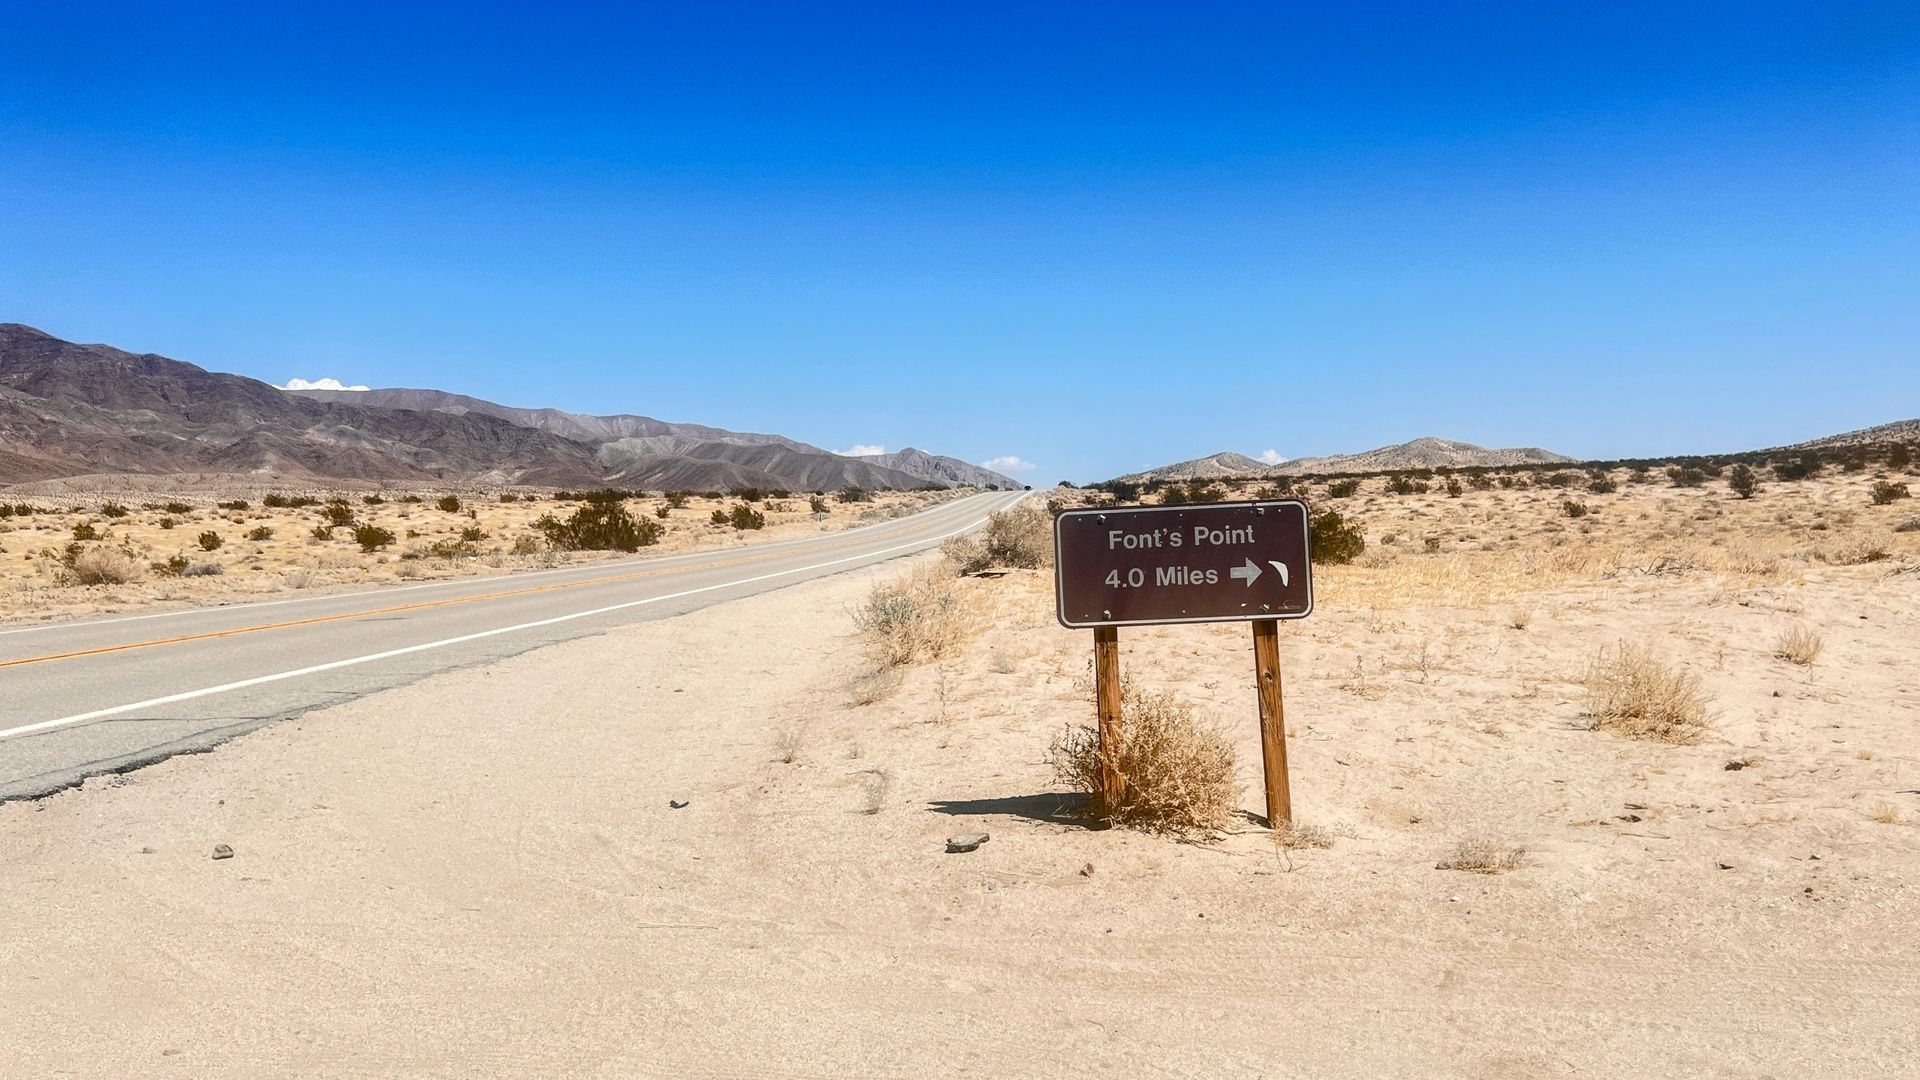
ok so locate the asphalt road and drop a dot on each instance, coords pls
(82, 698)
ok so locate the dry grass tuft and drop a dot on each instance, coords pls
(1179, 773)
(1631, 693)
(1480, 855)
(1799, 645)
(1294, 836)
(921, 616)
(104, 566)
(1885, 813)
(787, 742)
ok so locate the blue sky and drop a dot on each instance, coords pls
(1095, 237)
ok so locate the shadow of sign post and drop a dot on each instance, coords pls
(1156, 565)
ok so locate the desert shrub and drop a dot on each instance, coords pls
(1454, 490)
(1600, 483)
(167, 523)
(749, 494)
(1574, 509)
(174, 566)
(209, 541)
(1200, 491)
(235, 504)
(472, 534)
(1742, 482)
(1174, 493)
(1907, 526)
(1686, 476)
(1481, 480)
(177, 508)
(1799, 645)
(1483, 855)
(410, 499)
(1341, 489)
(1898, 456)
(745, 517)
(103, 566)
(718, 517)
(662, 510)
(600, 525)
(1558, 480)
(372, 500)
(264, 532)
(449, 503)
(1631, 693)
(337, 513)
(112, 510)
(1331, 540)
(1021, 537)
(273, 500)
(372, 537)
(855, 495)
(1179, 773)
(1886, 491)
(920, 616)
(85, 531)
(1802, 468)
(677, 499)
(508, 496)
(1123, 491)
(203, 569)
(817, 504)
(321, 532)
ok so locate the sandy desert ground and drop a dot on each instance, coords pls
(264, 550)
(475, 875)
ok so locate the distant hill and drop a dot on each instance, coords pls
(1900, 431)
(1423, 453)
(639, 451)
(69, 410)
(938, 469)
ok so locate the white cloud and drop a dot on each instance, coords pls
(863, 450)
(320, 384)
(1010, 463)
(1271, 457)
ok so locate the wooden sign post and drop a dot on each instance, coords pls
(1220, 562)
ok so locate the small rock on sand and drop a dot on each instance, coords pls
(965, 842)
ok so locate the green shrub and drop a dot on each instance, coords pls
(372, 500)
(177, 508)
(1742, 481)
(449, 503)
(1686, 476)
(1574, 509)
(264, 532)
(472, 534)
(817, 504)
(1332, 541)
(1886, 491)
(745, 517)
(600, 525)
(1806, 467)
(322, 532)
(719, 517)
(1600, 483)
(85, 531)
(1454, 490)
(662, 510)
(167, 523)
(235, 504)
(1899, 457)
(209, 541)
(855, 495)
(112, 510)
(678, 499)
(173, 567)
(273, 500)
(1341, 489)
(337, 513)
(372, 537)
(749, 494)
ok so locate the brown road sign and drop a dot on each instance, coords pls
(1218, 562)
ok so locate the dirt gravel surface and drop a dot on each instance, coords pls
(482, 874)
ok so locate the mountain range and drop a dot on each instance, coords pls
(1423, 453)
(68, 409)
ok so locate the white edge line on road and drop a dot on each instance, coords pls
(643, 562)
(97, 714)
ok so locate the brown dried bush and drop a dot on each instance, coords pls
(1631, 693)
(1179, 773)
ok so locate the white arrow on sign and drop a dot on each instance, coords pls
(1280, 566)
(1249, 571)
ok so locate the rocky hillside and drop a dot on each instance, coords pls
(1900, 431)
(70, 410)
(1423, 453)
(939, 469)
